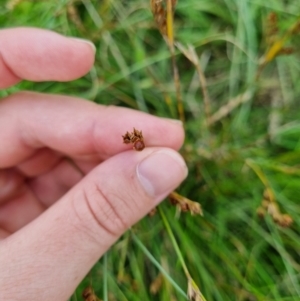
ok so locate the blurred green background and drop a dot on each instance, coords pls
(242, 147)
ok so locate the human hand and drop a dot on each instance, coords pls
(69, 187)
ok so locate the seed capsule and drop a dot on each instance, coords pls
(136, 138)
(139, 145)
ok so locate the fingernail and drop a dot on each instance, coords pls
(86, 42)
(176, 121)
(161, 172)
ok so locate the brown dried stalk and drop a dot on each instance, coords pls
(230, 106)
(159, 12)
(276, 47)
(271, 28)
(74, 16)
(277, 43)
(163, 12)
(191, 55)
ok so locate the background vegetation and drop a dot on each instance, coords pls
(242, 139)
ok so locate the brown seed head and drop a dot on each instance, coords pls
(87, 292)
(285, 221)
(126, 138)
(89, 295)
(136, 138)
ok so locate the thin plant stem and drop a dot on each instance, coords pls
(262, 177)
(174, 242)
(157, 264)
(191, 55)
(105, 294)
(194, 292)
(170, 42)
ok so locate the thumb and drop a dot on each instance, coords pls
(52, 254)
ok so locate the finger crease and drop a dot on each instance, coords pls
(92, 212)
(112, 208)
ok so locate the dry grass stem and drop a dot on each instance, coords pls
(159, 11)
(191, 55)
(177, 86)
(75, 17)
(276, 48)
(275, 115)
(230, 106)
(163, 13)
(277, 43)
(271, 28)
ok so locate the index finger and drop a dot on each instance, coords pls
(42, 55)
(75, 127)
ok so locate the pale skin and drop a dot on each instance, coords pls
(69, 187)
